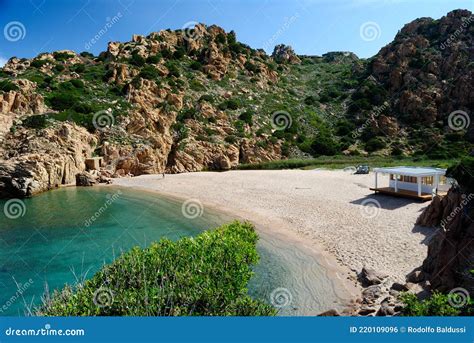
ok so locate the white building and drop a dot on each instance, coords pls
(414, 182)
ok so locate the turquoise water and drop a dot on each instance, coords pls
(66, 235)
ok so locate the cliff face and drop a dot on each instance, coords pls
(197, 99)
(450, 260)
(36, 163)
(423, 85)
(428, 68)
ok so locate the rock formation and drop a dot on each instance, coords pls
(197, 99)
(449, 263)
(285, 54)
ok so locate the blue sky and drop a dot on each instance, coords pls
(28, 27)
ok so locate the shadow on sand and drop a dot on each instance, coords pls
(428, 232)
(386, 202)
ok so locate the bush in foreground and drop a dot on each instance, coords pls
(437, 305)
(202, 276)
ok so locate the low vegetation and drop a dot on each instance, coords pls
(202, 276)
(437, 305)
(339, 162)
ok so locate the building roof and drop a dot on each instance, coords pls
(411, 171)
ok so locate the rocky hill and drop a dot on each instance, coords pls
(197, 99)
(451, 249)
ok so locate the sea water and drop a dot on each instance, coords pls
(66, 235)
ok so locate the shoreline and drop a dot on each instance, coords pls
(323, 210)
(344, 282)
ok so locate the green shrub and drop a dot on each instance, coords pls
(252, 67)
(137, 60)
(231, 139)
(78, 68)
(149, 72)
(344, 127)
(179, 53)
(246, 117)
(62, 100)
(186, 113)
(38, 63)
(369, 93)
(173, 69)
(202, 276)
(374, 144)
(86, 54)
(62, 56)
(311, 100)
(166, 53)
(79, 84)
(197, 86)
(231, 104)
(7, 85)
(324, 144)
(59, 68)
(207, 97)
(437, 305)
(195, 65)
(153, 59)
(221, 38)
(35, 121)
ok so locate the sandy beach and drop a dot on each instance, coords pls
(332, 211)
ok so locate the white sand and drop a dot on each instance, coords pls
(325, 208)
